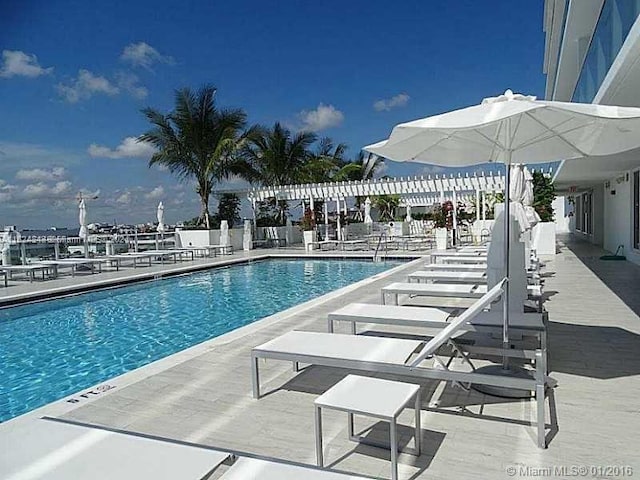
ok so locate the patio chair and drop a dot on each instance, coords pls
(51, 449)
(445, 290)
(406, 357)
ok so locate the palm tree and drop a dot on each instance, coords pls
(276, 156)
(198, 141)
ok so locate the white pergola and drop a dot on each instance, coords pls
(416, 190)
(413, 191)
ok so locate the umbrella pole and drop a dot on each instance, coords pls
(507, 232)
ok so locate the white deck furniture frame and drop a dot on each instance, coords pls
(404, 357)
(446, 290)
(371, 397)
(222, 249)
(530, 324)
(29, 270)
(5, 277)
(430, 276)
(134, 257)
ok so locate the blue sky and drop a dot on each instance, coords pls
(75, 74)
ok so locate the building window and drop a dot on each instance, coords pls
(584, 213)
(636, 209)
(616, 19)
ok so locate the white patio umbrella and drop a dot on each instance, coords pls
(160, 227)
(367, 211)
(408, 218)
(513, 128)
(160, 216)
(527, 198)
(82, 219)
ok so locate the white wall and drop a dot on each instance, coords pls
(200, 238)
(618, 219)
(561, 214)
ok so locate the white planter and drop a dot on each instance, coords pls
(442, 235)
(543, 238)
(309, 238)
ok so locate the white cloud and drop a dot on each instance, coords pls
(19, 64)
(40, 174)
(129, 148)
(323, 117)
(142, 54)
(124, 198)
(61, 187)
(129, 83)
(85, 86)
(387, 104)
(35, 190)
(155, 194)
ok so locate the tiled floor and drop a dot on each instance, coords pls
(594, 355)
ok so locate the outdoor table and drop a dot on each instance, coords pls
(372, 397)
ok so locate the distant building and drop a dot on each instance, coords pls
(592, 55)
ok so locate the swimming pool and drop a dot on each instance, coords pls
(51, 349)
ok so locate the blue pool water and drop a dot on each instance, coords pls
(51, 349)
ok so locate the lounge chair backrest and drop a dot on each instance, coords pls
(455, 325)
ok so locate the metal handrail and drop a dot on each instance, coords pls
(375, 253)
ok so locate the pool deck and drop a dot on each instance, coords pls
(203, 395)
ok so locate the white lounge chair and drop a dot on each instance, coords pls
(49, 449)
(529, 324)
(30, 270)
(451, 277)
(403, 357)
(221, 249)
(447, 290)
(454, 267)
(44, 449)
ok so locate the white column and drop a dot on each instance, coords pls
(477, 204)
(255, 219)
(338, 225)
(455, 210)
(326, 219)
(484, 206)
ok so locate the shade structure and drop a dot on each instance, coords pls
(83, 233)
(527, 199)
(82, 219)
(367, 211)
(160, 217)
(513, 128)
(224, 233)
(408, 217)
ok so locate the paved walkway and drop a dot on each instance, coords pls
(595, 356)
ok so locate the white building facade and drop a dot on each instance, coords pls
(592, 55)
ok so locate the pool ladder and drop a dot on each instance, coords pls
(376, 258)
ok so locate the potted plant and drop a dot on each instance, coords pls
(308, 225)
(443, 223)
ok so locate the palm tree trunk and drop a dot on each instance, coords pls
(204, 211)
